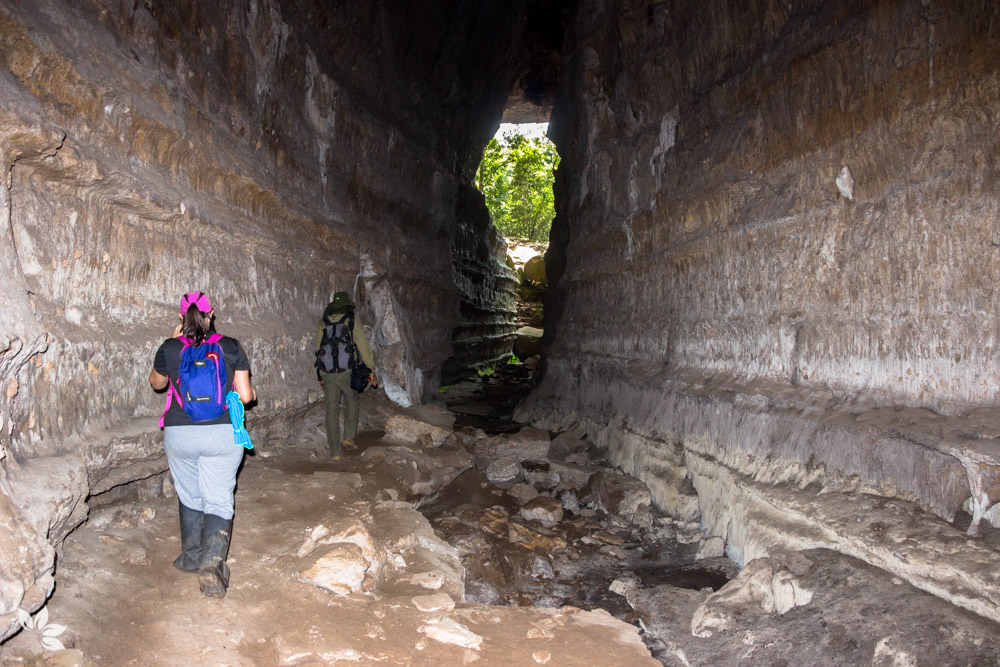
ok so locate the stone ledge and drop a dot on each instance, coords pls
(777, 434)
(896, 536)
(131, 451)
(777, 467)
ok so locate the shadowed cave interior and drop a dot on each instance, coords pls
(769, 353)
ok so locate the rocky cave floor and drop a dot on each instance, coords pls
(451, 541)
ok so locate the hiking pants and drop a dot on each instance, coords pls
(336, 385)
(203, 461)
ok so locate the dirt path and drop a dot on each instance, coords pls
(123, 604)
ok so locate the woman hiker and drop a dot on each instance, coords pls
(198, 367)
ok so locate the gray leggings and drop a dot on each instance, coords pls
(203, 461)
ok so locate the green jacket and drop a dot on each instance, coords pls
(360, 341)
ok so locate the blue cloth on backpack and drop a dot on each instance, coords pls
(235, 406)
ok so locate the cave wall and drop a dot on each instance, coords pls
(733, 322)
(266, 152)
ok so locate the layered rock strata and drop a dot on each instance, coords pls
(269, 153)
(773, 267)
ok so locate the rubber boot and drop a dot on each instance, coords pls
(191, 526)
(213, 573)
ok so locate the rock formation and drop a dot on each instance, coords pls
(267, 152)
(770, 280)
(773, 271)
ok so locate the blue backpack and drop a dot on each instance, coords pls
(201, 383)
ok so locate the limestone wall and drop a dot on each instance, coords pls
(774, 263)
(267, 153)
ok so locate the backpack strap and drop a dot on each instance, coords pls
(171, 393)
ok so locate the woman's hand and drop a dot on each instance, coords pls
(177, 331)
(373, 380)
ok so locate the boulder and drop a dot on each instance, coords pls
(522, 493)
(528, 444)
(540, 475)
(340, 569)
(534, 270)
(528, 342)
(421, 472)
(429, 424)
(565, 444)
(548, 511)
(763, 587)
(569, 500)
(618, 494)
(504, 471)
(533, 538)
(573, 476)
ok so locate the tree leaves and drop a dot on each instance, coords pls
(516, 176)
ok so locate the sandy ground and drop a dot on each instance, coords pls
(124, 604)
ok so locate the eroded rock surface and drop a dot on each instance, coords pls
(269, 153)
(757, 283)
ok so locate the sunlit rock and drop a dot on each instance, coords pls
(534, 270)
(528, 342)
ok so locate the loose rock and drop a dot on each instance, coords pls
(340, 569)
(528, 444)
(564, 445)
(436, 602)
(548, 511)
(421, 421)
(432, 580)
(759, 589)
(448, 631)
(504, 471)
(522, 493)
(619, 494)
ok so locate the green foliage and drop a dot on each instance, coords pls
(516, 176)
(444, 388)
(513, 359)
(485, 372)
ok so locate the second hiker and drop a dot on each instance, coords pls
(341, 348)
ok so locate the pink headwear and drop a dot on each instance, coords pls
(199, 299)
